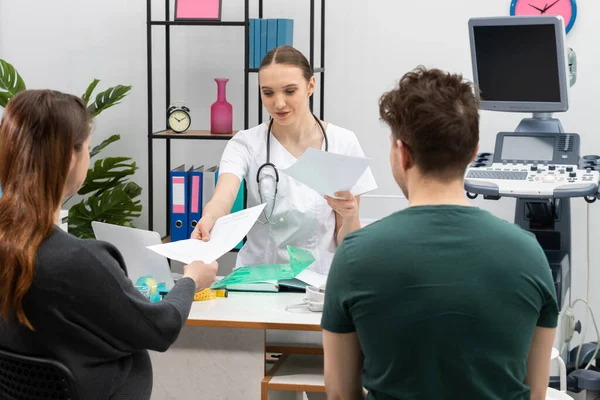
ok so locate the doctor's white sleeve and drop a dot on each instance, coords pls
(366, 182)
(236, 158)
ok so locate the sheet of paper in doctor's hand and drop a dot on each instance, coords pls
(326, 172)
(225, 235)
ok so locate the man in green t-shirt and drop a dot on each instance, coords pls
(441, 300)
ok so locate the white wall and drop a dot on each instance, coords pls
(64, 44)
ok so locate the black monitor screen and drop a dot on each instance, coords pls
(517, 63)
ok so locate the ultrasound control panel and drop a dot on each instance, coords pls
(535, 165)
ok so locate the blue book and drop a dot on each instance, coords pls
(263, 38)
(251, 43)
(178, 203)
(285, 32)
(195, 185)
(256, 39)
(271, 34)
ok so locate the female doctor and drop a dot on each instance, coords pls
(294, 215)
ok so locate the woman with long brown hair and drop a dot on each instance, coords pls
(62, 297)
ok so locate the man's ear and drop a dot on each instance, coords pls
(475, 153)
(406, 158)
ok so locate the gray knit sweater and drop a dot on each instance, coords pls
(87, 314)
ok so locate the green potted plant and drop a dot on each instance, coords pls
(107, 194)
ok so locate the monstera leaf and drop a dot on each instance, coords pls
(107, 173)
(113, 206)
(132, 189)
(107, 99)
(102, 145)
(11, 82)
(111, 196)
(88, 93)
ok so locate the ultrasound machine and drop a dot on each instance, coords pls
(521, 64)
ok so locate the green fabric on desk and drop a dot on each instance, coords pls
(299, 260)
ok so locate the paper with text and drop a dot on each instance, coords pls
(326, 172)
(225, 235)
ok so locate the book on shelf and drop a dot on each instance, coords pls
(265, 35)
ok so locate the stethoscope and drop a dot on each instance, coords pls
(269, 164)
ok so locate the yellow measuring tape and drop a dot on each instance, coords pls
(209, 294)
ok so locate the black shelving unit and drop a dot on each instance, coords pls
(206, 135)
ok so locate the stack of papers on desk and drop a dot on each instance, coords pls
(299, 283)
(326, 172)
(269, 286)
(225, 235)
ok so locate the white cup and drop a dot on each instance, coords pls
(315, 298)
(315, 294)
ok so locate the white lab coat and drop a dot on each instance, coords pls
(307, 221)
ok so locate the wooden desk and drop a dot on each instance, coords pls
(220, 353)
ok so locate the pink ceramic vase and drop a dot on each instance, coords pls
(221, 112)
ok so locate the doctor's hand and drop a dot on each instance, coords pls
(203, 274)
(347, 208)
(203, 228)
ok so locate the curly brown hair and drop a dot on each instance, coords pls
(435, 114)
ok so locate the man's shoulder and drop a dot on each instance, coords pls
(402, 228)
(496, 228)
(376, 234)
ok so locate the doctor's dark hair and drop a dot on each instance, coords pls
(436, 115)
(40, 131)
(288, 55)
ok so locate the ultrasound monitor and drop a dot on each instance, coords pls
(520, 63)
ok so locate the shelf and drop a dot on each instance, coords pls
(192, 134)
(296, 373)
(158, 132)
(316, 70)
(199, 23)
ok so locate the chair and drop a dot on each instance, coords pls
(553, 394)
(33, 378)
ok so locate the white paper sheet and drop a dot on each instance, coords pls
(312, 278)
(225, 235)
(326, 172)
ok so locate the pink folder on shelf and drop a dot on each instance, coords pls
(198, 9)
